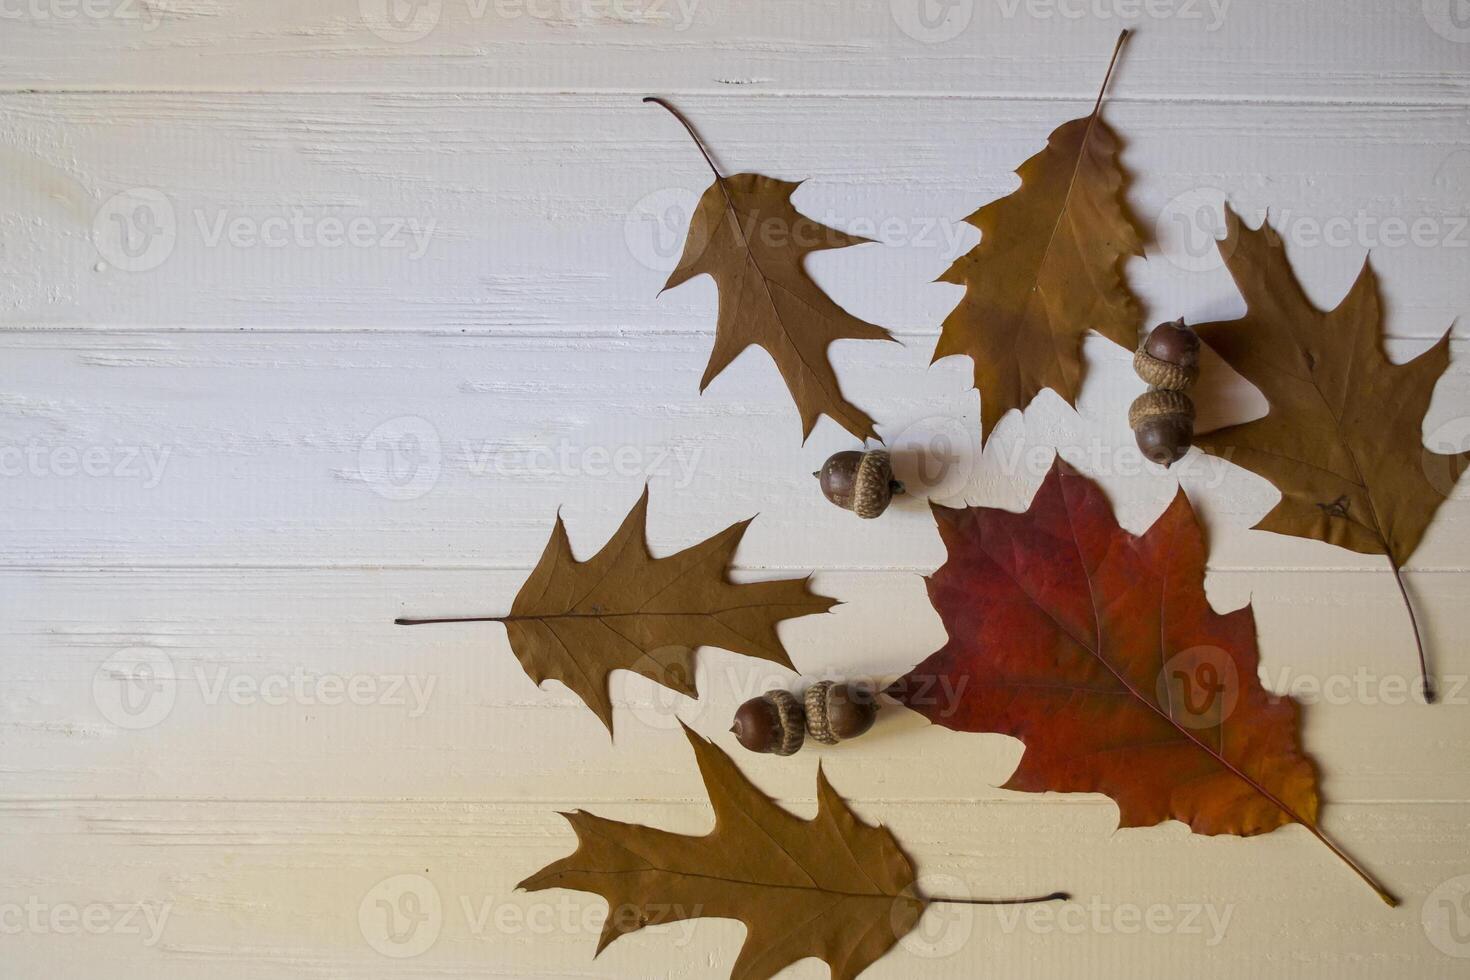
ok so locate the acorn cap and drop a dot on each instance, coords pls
(1163, 425)
(773, 722)
(1162, 374)
(873, 488)
(1160, 403)
(861, 482)
(838, 711)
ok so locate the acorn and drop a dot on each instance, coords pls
(861, 482)
(1168, 358)
(773, 722)
(1163, 423)
(837, 712)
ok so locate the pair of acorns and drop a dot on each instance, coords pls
(779, 723)
(1162, 418)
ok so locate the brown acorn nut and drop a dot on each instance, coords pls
(773, 722)
(1163, 424)
(836, 712)
(861, 482)
(1169, 357)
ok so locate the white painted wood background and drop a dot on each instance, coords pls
(237, 463)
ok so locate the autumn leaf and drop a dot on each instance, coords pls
(1341, 440)
(1100, 651)
(622, 609)
(831, 887)
(748, 237)
(1048, 268)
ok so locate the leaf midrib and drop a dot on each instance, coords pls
(1097, 655)
(654, 869)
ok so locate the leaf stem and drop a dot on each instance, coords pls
(689, 128)
(1053, 897)
(452, 619)
(1117, 49)
(1388, 897)
(1430, 694)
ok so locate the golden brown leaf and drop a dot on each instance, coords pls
(831, 887)
(623, 609)
(1048, 268)
(1341, 440)
(748, 237)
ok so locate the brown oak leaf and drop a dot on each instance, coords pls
(831, 887)
(1341, 440)
(748, 237)
(1048, 268)
(623, 609)
(1100, 651)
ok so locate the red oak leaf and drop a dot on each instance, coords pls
(1100, 651)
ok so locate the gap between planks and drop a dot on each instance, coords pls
(746, 92)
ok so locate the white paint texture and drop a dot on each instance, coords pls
(404, 305)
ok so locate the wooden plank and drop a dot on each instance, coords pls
(123, 448)
(1192, 48)
(294, 683)
(242, 889)
(525, 212)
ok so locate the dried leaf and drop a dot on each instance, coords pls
(1342, 438)
(1048, 268)
(622, 609)
(748, 237)
(831, 887)
(1100, 651)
